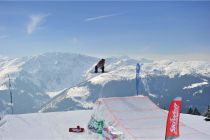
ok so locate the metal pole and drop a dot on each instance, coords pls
(137, 77)
(11, 103)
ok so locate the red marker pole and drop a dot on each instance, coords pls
(172, 126)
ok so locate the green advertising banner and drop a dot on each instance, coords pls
(96, 126)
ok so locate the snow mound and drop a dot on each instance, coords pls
(139, 118)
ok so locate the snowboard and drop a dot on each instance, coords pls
(207, 119)
(99, 72)
(78, 129)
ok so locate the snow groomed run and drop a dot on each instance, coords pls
(138, 118)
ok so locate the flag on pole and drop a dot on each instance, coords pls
(172, 126)
(137, 77)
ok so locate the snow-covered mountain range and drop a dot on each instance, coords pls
(160, 80)
(63, 81)
(35, 79)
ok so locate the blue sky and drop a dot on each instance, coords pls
(139, 29)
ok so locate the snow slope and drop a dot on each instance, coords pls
(46, 126)
(194, 85)
(136, 117)
(56, 71)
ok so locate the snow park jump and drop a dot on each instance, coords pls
(138, 118)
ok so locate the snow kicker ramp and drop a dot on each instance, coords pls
(138, 118)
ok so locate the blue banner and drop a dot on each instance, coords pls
(137, 77)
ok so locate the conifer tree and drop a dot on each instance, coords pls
(196, 112)
(190, 111)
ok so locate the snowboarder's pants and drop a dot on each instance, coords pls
(96, 69)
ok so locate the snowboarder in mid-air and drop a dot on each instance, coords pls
(100, 65)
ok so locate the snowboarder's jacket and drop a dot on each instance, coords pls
(101, 63)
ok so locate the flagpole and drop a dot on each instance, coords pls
(137, 78)
(11, 102)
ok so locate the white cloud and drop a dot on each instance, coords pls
(35, 22)
(3, 36)
(102, 17)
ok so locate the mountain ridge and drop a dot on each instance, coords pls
(34, 77)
